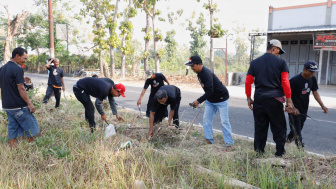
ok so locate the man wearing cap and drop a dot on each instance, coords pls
(155, 80)
(216, 98)
(98, 88)
(301, 86)
(269, 73)
(166, 95)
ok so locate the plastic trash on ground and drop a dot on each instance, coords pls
(109, 131)
(125, 145)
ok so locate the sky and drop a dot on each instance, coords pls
(251, 14)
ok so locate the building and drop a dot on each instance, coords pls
(307, 32)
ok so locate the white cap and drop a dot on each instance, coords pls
(277, 43)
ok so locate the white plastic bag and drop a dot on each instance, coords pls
(109, 131)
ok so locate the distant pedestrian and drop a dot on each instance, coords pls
(98, 88)
(15, 100)
(270, 77)
(301, 86)
(55, 81)
(155, 80)
(216, 98)
(166, 95)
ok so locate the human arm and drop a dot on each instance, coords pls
(288, 93)
(24, 96)
(170, 118)
(114, 108)
(63, 86)
(48, 64)
(207, 81)
(99, 107)
(248, 90)
(318, 99)
(141, 95)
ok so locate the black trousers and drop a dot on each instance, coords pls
(298, 124)
(57, 92)
(161, 113)
(149, 103)
(269, 112)
(84, 98)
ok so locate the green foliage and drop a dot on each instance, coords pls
(216, 31)
(197, 34)
(160, 52)
(2, 47)
(171, 46)
(158, 35)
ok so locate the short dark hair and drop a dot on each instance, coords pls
(160, 94)
(95, 76)
(19, 50)
(269, 46)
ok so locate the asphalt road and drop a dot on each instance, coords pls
(319, 135)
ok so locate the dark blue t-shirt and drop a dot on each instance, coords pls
(96, 87)
(55, 76)
(11, 74)
(174, 96)
(266, 71)
(301, 89)
(155, 83)
(214, 89)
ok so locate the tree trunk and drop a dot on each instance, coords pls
(38, 62)
(157, 65)
(101, 64)
(112, 62)
(147, 42)
(12, 31)
(123, 44)
(212, 68)
(106, 68)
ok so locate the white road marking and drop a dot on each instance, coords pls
(322, 120)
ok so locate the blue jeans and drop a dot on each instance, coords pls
(208, 116)
(21, 122)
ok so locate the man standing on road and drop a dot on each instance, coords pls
(216, 99)
(166, 95)
(301, 86)
(155, 80)
(98, 88)
(15, 100)
(55, 81)
(270, 76)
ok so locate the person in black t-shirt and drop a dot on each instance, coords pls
(155, 80)
(55, 81)
(301, 86)
(15, 100)
(270, 76)
(216, 98)
(99, 88)
(166, 95)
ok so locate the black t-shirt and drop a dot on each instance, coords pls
(155, 83)
(301, 89)
(174, 95)
(214, 89)
(11, 74)
(96, 87)
(266, 71)
(55, 76)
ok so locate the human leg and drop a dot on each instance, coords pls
(57, 92)
(176, 121)
(276, 114)
(261, 123)
(149, 103)
(208, 116)
(50, 90)
(84, 98)
(223, 108)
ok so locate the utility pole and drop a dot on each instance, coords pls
(51, 30)
(252, 35)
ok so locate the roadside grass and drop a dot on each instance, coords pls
(67, 155)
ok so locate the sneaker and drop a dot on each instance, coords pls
(207, 141)
(279, 154)
(289, 138)
(228, 149)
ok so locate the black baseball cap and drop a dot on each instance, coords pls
(194, 60)
(311, 65)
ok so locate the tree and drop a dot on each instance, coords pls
(171, 46)
(197, 33)
(215, 29)
(13, 29)
(126, 28)
(36, 35)
(241, 58)
(153, 12)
